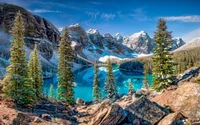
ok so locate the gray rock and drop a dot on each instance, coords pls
(172, 119)
(144, 111)
(141, 92)
(108, 113)
(80, 101)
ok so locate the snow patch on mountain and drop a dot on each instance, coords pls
(93, 31)
(119, 37)
(60, 29)
(105, 58)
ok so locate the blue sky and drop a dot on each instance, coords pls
(123, 16)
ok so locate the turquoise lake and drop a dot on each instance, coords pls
(84, 82)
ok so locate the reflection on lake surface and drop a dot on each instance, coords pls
(84, 82)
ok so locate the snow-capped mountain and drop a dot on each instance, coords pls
(139, 42)
(143, 44)
(92, 45)
(119, 38)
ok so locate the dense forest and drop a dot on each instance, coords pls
(183, 60)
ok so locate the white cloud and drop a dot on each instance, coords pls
(107, 16)
(92, 15)
(192, 18)
(139, 14)
(96, 3)
(44, 11)
(99, 16)
(69, 5)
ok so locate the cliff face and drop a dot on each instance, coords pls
(37, 29)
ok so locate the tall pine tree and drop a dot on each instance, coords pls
(146, 73)
(51, 93)
(17, 84)
(96, 84)
(110, 87)
(65, 76)
(35, 72)
(131, 88)
(162, 59)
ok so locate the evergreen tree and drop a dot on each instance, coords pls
(17, 84)
(110, 87)
(96, 84)
(162, 60)
(65, 76)
(51, 91)
(146, 73)
(35, 72)
(130, 87)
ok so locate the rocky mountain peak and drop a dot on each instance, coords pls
(75, 25)
(93, 31)
(176, 43)
(180, 41)
(141, 33)
(78, 34)
(118, 37)
(107, 35)
(139, 42)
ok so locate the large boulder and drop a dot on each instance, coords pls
(144, 111)
(108, 113)
(185, 99)
(171, 119)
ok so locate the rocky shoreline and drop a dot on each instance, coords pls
(176, 106)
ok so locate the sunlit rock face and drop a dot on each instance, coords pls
(139, 42)
(185, 99)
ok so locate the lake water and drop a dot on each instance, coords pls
(84, 82)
